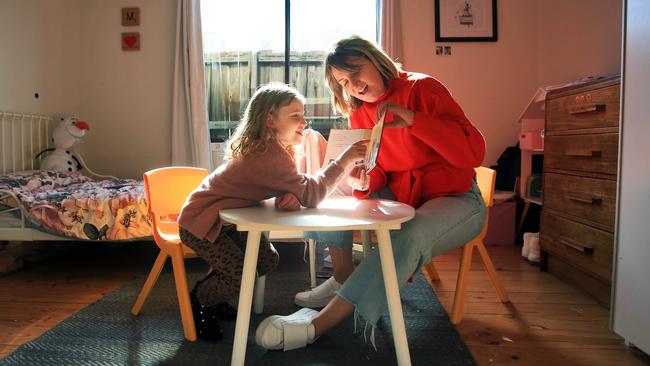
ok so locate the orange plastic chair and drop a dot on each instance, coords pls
(485, 178)
(166, 190)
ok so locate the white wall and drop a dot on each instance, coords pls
(578, 38)
(40, 52)
(127, 94)
(541, 42)
(69, 52)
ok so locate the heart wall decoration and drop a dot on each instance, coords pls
(131, 41)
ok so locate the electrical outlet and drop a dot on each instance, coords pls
(443, 50)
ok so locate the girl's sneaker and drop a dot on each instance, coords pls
(319, 296)
(205, 321)
(223, 311)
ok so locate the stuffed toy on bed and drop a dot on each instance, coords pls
(66, 135)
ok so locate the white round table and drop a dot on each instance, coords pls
(333, 214)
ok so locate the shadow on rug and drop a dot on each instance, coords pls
(105, 333)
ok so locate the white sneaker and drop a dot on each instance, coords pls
(319, 296)
(287, 332)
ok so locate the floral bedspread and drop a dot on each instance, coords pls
(73, 205)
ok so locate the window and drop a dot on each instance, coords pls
(244, 45)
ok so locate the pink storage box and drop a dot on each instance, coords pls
(501, 227)
(532, 140)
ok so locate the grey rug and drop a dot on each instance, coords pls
(105, 333)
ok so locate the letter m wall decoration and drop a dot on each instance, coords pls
(130, 16)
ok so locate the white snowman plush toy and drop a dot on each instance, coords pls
(66, 135)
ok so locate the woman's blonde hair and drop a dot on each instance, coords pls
(339, 58)
(252, 133)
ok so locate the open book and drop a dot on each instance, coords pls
(339, 140)
(375, 142)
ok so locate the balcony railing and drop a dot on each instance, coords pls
(232, 77)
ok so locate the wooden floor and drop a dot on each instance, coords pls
(547, 323)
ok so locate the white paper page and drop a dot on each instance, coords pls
(338, 141)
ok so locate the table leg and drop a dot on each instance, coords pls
(312, 262)
(245, 298)
(258, 294)
(392, 294)
(365, 240)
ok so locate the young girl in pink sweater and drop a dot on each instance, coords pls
(261, 165)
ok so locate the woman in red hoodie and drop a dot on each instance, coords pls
(428, 153)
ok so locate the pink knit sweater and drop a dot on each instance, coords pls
(247, 180)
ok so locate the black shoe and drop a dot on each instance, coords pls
(206, 323)
(224, 311)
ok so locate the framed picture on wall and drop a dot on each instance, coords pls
(466, 20)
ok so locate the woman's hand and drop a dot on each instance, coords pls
(287, 202)
(402, 117)
(353, 153)
(358, 178)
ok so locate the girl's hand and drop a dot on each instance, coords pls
(287, 202)
(402, 117)
(353, 153)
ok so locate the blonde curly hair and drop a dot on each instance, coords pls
(252, 133)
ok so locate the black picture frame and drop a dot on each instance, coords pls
(466, 20)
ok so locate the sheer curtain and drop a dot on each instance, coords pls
(391, 29)
(190, 134)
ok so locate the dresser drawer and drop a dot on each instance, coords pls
(590, 199)
(590, 109)
(578, 244)
(585, 153)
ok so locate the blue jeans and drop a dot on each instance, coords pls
(440, 224)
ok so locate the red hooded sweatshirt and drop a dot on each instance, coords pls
(434, 157)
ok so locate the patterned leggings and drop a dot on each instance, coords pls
(226, 257)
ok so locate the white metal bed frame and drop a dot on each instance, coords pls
(22, 137)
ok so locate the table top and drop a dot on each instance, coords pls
(332, 214)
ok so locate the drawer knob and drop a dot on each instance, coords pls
(586, 153)
(575, 245)
(591, 107)
(584, 199)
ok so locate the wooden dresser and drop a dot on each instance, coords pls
(579, 185)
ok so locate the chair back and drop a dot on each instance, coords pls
(166, 190)
(485, 178)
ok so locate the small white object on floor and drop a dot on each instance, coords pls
(531, 248)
